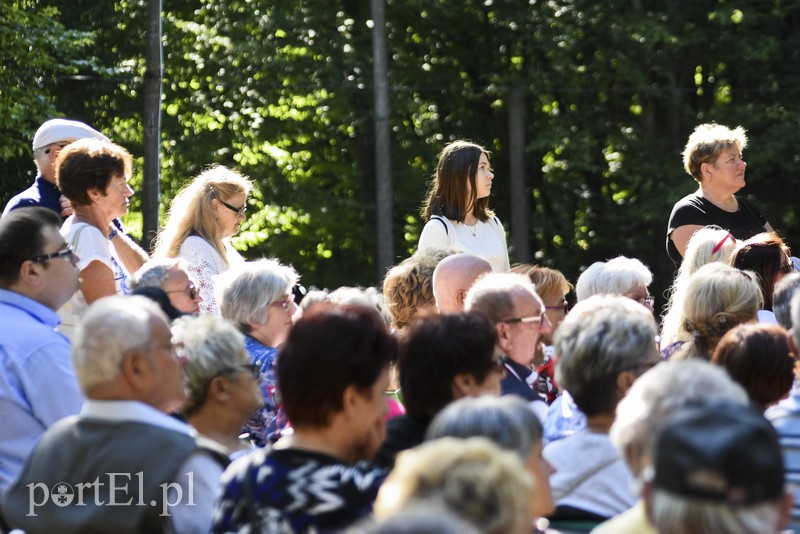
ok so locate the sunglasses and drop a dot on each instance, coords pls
(191, 291)
(59, 145)
(238, 211)
(787, 268)
(537, 319)
(63, 253)
(564, 307)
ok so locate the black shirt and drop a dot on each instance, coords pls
(692, 209)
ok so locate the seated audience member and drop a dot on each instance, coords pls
(510, 424)
(623, 276)
(332, 373)
(417, 518)
(442, 358)
(170, 274)
(650, 402)
(718, 298)
(785, 290)
(603, 346)
(453, 277)
(785, 417)
(758, 357)
(553, 288)
(38, 274)
(473, 477)
(129, 372)
(157, 295)
(258, 298)
(717, 469)
(511, 304)
(408, 286)
(766, 255)
(707, 245)
(51, 137)
(619, 276)
(221, 382)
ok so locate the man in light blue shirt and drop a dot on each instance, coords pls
(38, 274)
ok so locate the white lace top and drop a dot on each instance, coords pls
(204, 265)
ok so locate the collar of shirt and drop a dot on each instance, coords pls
(133, 412)
(35, 309)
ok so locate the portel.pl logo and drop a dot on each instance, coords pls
(112, 490)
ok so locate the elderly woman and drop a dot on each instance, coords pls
(713, 157)
(482, 483)
(641, 415)
(508, 422)
(258, 298)
(221, 383)
(94, 176)
(766, 255)
(203, 217)
(718, 297)
(603, 346)
(707, 245)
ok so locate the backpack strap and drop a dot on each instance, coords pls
(441, 220)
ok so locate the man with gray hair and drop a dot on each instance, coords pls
(785, 417)
(649, 404)
(50, 138)
(511, 304)
(619, 276)
(453, 277)
(782, 296)
(170, 274)
(123, 465)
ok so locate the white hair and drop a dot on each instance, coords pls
(111, 327)
(213, 346)
(657, 396)
(154, 272)
(494, 295)
(244, 293)
(613, 277)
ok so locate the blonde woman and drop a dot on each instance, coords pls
(707, 245)
(718, 297)
(203, 217)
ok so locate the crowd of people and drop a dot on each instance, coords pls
(189, 392)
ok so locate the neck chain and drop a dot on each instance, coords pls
(472, 228)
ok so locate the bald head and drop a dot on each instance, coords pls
(453, 277)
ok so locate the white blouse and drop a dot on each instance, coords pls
(205, 264)
(485, 239)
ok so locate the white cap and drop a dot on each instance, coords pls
(56, 130)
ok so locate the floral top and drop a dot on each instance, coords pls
(205, 264)
(266, 424)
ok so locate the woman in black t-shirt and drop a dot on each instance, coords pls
(713, 157)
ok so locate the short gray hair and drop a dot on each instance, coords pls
(111, 327)
(213, 346)
(154, 272)
(785, 290)
(600, 338)
(245, 293)
(613, 277)
(493, 295)
(673, 514)
(508, 421)
(654, 398)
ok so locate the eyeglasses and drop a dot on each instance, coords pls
(787, 268)
(537, 319)
(645, 301)
(240, 212)
(252, 368)
(63, 253)
(564, 307)
(59, 145)
(285, 303)
(191, 291)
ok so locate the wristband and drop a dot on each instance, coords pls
(112, 234)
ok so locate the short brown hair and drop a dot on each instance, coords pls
(90, 164)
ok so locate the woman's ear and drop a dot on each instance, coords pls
(463, 385)
(218, 388)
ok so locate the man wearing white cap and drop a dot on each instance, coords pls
(48, 141)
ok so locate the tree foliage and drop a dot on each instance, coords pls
(282, 91)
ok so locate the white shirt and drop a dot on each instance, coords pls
(485, 239)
